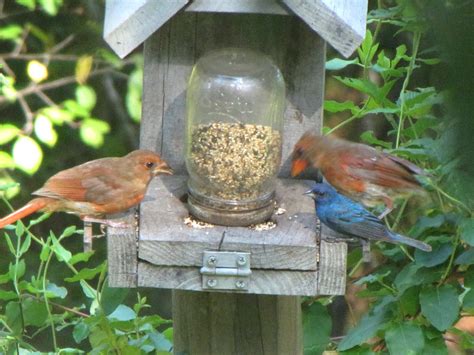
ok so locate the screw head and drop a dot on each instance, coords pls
(212, 260)
(242, 260)
(212, 283)
(240, 284)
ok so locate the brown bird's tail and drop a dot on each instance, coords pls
(31, 207)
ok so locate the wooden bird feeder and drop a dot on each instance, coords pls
(249, 279)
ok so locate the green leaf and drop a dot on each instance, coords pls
(466, 228)
(367, 49)
(367, 326)
(51, 7)
(440, 306)
(317, 327)
(27, 154)
(44, 130)
(88, 292)
(81, 257)
(92, 132)
(409, 302)
(468, 301)
(133, 99)
(30, 4)
(369, 137)
(69, 231)
(466, 258)
(17, 270)
(81, 331)
(85, 274)
(8, 132)
(53, 291)
(404, 339)
(13, 316)
(338, 64)
(111, 298)
(86, 97)
(365, 86)
(61, 253)
(75, 109)
(335, 106)
(160, 342)
(435, 346)
(122, 313)
(57, 115)
(34, 312)
(25, 246)
(438, 256)
(10, 32)
(6, 162)
(8, 295)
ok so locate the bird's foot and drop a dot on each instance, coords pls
(331, 239)
(108, 222)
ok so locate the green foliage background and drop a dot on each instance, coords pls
(66, 99)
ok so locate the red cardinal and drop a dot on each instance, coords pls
(97, 188)
(357, 170)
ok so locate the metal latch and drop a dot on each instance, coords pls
(225, 270)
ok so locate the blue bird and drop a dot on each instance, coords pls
(345, 216)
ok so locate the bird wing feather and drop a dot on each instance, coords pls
(96, 184)
(380, 169)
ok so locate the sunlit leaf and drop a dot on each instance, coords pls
(44, 130)
(37, 71)
(92, 132)
(133, 99)
(335, 106)
(51, 7)
(75, 109)
(86, 97)
(122, 313)
(6, 162)
(10, 32)
(27, 154)
(337, 64)
(8, 132)
(83, 68)
(30, 4)
(54, 290)
(57, 115)
(80, 332)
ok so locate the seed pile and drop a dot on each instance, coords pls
(237, 159)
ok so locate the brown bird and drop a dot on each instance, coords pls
(97, 188)
(357, 170)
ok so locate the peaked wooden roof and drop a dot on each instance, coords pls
(128, 23)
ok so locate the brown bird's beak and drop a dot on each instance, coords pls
(298, 166)
(162, 168)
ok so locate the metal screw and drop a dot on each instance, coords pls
(212, 283)
(212, 260)
(242, 260)
(240, 284)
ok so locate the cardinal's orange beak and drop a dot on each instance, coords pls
(298, 166)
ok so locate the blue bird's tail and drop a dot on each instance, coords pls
(409, 241)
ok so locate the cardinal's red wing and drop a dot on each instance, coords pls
(97, 184)
(380, 168)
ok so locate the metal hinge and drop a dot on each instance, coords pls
(225, 270)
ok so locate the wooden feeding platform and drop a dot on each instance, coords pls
(287, 256)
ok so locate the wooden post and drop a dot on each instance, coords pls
(228, 323)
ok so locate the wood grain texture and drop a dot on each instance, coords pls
(267, 282)
(340, 22)
(298, 52)
(122, 253)
(166, 240)
(332, 268)
(129, 23)
(221, 324)
(241, 6)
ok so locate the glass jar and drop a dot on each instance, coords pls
(235, 105)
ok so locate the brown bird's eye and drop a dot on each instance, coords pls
(149, 164)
